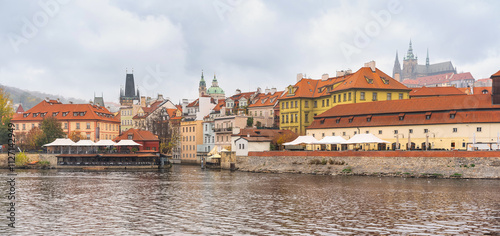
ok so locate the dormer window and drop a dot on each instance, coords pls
(401, 116)
(337, 120)
(26, 114)
(453, 114)
(35, 114)
(43, 114)
(428, 115)
(368, 80)
(351, 119)
(369, 118)
(75, 113)
(65, 113)
(55, 113)
(386, 81)
(130, 136)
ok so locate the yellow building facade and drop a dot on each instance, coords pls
(309, 98)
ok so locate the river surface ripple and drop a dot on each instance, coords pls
(188, 200)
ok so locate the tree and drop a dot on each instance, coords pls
(35, 139)
(159, 124)
(76, 136)
(249, 121)
(6, 112)
(284, 138)
(52, 129)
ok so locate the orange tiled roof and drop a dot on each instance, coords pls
(478, 101)
(410, 81)
(221, 103)
(364, 78)
(66, 112)
(462, 76)
(194, 103)
(263, 100)
(473, 108)
(435, 91)
(137, 135)
(496, 74)
(434, 79)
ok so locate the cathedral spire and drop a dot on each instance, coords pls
(397, 67)
(409, 54)
(427, 59)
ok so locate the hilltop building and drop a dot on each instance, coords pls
(214, 91)
(412, 70)
(128, 95)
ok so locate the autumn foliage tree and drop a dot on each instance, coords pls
(76, 136)
(52, 129)
(284, 138)
(6, 112)
(35, 139)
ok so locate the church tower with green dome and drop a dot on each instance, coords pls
(215, 91)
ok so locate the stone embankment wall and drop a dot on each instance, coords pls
(439, 164)
(31, 157)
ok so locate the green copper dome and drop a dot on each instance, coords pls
(215, 90)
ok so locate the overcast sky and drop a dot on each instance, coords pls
(75, 48)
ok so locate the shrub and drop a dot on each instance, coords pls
(472, 165)
(315, 162)
(323, 162)
(347, 170)
(21, 159)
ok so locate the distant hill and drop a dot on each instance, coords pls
(30, 98)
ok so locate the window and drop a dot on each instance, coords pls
(368, 119)
(296, 118)
(282, 105)
(17, 126)
(367, 132)
(323, 103)
(286, 118)
(315, 104)
(339, 99)
(130, 136)
(291, 118)
(327, 102)
(410, 131)
(400, 96)
(77, 125)
(426, 131)
(455, 130)
(286, 105)
(478, 129)
(374, 96)
(380, 132)
(350, 120)
(296, 104)
(345, 97)
(389, 96)
(349, 96)
(314, 135)
(334, 99)
(88, 136)
(362, 96)
(282, 118)
(333, 133)
(260, 113)
(452, 116)
(306, 117)
(32, 126)
(401, 117)
(396, 131)
(428, 116)
(88, 125)
(355, 132)
(306, 104)
(323, 135)
(24, 126)
(343, 133)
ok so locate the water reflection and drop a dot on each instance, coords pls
(188, 200)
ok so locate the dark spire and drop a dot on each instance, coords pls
(397, 66)
(427, 59)
(202, 81)
(409, 54)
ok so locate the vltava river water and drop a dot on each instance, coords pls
(187, 200)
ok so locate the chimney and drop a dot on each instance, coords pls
(143, 101)
(348, 71)
(160, 97)
(267, 91)
(58, 101)
(397, 77)
(340, 73)
(273, 90)
(371, 64)
(47, 99)
(238, 91)
(300, 76)
(324, 77)
(258, 90)
(70, 102)
(495, 88)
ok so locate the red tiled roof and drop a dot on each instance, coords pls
(179, 107)
(20, 109)
(466, 109)
(410, 81)
(428, 104)
(221, 103)
(434, 79)
(496, 74)
(137, 135)
(66, 112)
(171, 112)
(364, 78)
(462, 76)
(195, 103)
(263, 100)
(435, 91)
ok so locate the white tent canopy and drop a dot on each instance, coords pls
(331, 140)
(105, 143)
(127, 142)
(60, 142)
(84, 143)
(364, 138)
(302, 140)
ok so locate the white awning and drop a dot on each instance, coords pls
(84, 143)
(331, 140)
(127, 142)
(105, 143)
(302, 140)
(60, 142)
(364, 138)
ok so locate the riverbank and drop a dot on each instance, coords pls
(429, 164)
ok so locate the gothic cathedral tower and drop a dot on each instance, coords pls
(396, 71)
(410, 63)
